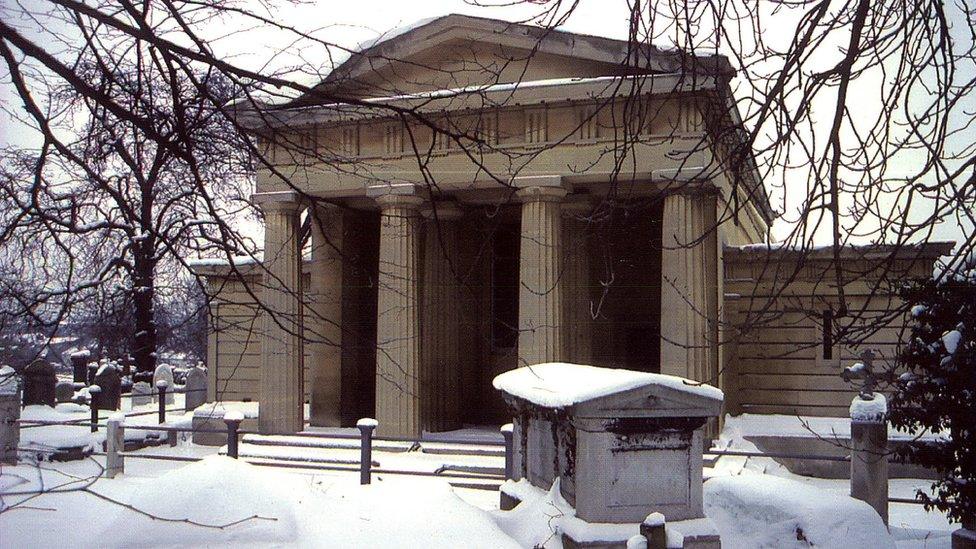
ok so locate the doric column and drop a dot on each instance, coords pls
(540, 286)
(324, 320)
(398, 358)
(439, 328)
(689, 279)
(576, 289)
(281, 391)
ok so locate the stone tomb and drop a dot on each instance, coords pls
(623, 443)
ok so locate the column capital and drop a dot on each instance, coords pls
(277, 200)
(541, 194)
(392, 195)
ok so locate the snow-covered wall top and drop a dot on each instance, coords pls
(560, 385)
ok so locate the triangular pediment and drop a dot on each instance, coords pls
(459, 51)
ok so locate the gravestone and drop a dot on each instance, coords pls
(39, 383)
(195, 388)
(107, 377)
(164, 372)
(9, 414)
(64, 391)
(79, 365)
(141, 393)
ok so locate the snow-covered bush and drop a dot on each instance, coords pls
(936, 390)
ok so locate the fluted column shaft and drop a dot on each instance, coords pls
(398, 361)
(689, 280)
(441, 377)
(325, 318)
(281, 391)
(541, 336)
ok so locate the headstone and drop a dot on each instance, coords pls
(196, 388)
(79, 365)
(164, 372)
(107, 377)
(64, 391)
(141, 393)
(9, 414)
(39, 383)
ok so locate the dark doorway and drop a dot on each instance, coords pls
(360, 269)
(627, 264)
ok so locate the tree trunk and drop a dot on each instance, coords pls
(143, 292)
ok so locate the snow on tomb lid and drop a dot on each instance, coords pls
(561, 385)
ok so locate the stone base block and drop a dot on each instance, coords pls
(687, 534)
(507, 501)
(203, 423)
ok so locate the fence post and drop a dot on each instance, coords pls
(869, 452)
(366, 427)
(93, 391)
(161, 386)
(233, 420)
(509, 449)
(114, 446)
(653, 530)
(9, 415)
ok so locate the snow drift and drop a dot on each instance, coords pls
(757, 511)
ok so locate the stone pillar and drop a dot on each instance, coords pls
(576, 289)
(398, 358)
(325, 317)
(541, 336)
(689, 277)
(869, 460)
(281, 392)
(440, 314)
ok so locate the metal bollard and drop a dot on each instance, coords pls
(366, 427)
(92, 392)
(509, 449)
(161, 386)
(233, 420)
(114, 446)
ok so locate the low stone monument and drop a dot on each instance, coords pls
(64, 391)
(108, 378)
(79, 365)
(622, 443)
(39, 383)
(9, 414)
(164, 372)
(195, 389)
(141, 394)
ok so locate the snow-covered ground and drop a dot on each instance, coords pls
(157, 502)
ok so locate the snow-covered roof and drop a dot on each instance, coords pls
(561, 385)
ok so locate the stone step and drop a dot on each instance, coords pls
(461, 450)
(247, 451)
(324, 443)
(479, 469)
